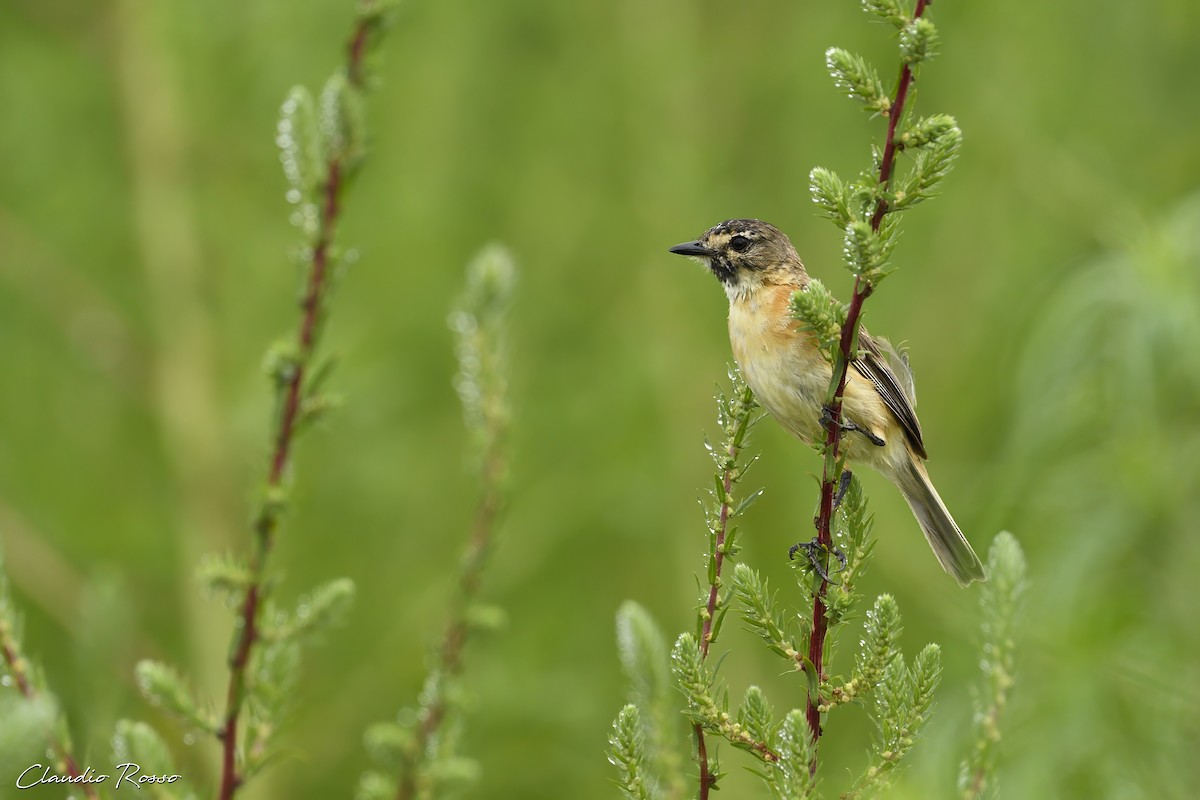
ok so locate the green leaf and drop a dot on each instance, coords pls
(451, 775)
(281, 362)
(881, 636)
(890, 10)
(866, 251)
(28, 725)
(931, 164)
(822, 316)
(389, 744)
(927, 130)
(790, 778)
(322, 608)
(629, 754)
(138, 743)
(755, 715)
(228, 575)
(761, 612)
(831, 194)
(853, 75)
(485, 617)
(300, 150)
(162, 686)
(1000, 601)
(687, 666)
(926, 675)
(375, 786)
(917, 40)
(340, 119)
(644, 656)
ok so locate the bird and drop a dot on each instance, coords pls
(780, 360)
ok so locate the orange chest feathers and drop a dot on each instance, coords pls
(779, 359)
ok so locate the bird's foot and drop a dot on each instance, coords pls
(817, 555)
(849, 427)
(843, 487)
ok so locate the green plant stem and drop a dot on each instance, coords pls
(246, 631)
(17, 667)
(833, 462)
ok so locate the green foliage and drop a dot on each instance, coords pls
(321, 609)
(901, 709)
(1000, 601)
(139, 744)
(832, 194)
(302, 154)
(852, 526)
(225, 575)
(163, 686)
(865, 209)
(422, 746)
(628, 753)
(891, 10)
(478, 325)
(855, 77)
(822, 315)
(897, 696)
(1054, 308)
(644, 657)
(878, 648)
(928, 130)
(932, 163)
(867, 250)
(917, 40)
(340, 120)
(375, 786)
(762, 614)
(756, 716)
(736, 414)
(706, 704)
(28, 725)
(791, 778)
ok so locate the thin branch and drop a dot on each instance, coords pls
(706, 777)
(831, 473)
(478, 322)
(267, 522)
(16, 664)
(450, 655)
(729, 475)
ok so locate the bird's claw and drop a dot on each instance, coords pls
(843, 487)
(848, 427)
(813, 551)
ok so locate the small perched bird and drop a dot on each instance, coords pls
(760, 270)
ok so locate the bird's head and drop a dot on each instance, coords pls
(745, 253)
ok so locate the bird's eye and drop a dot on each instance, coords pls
(739, 244)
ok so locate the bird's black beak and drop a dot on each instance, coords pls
(692, 249)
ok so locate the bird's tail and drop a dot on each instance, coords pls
(949, 545)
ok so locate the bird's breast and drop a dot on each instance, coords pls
(779, 359)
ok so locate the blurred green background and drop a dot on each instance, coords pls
(1051, 301)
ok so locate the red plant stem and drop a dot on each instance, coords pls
(706, 777)
(16, 668)
(450, 656)
(718, 557)
(833, 430)
(265, 526)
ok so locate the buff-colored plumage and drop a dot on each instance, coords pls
(760, 271)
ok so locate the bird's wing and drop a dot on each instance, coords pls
(888, 371)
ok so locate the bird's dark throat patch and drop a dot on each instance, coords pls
(724, 271)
